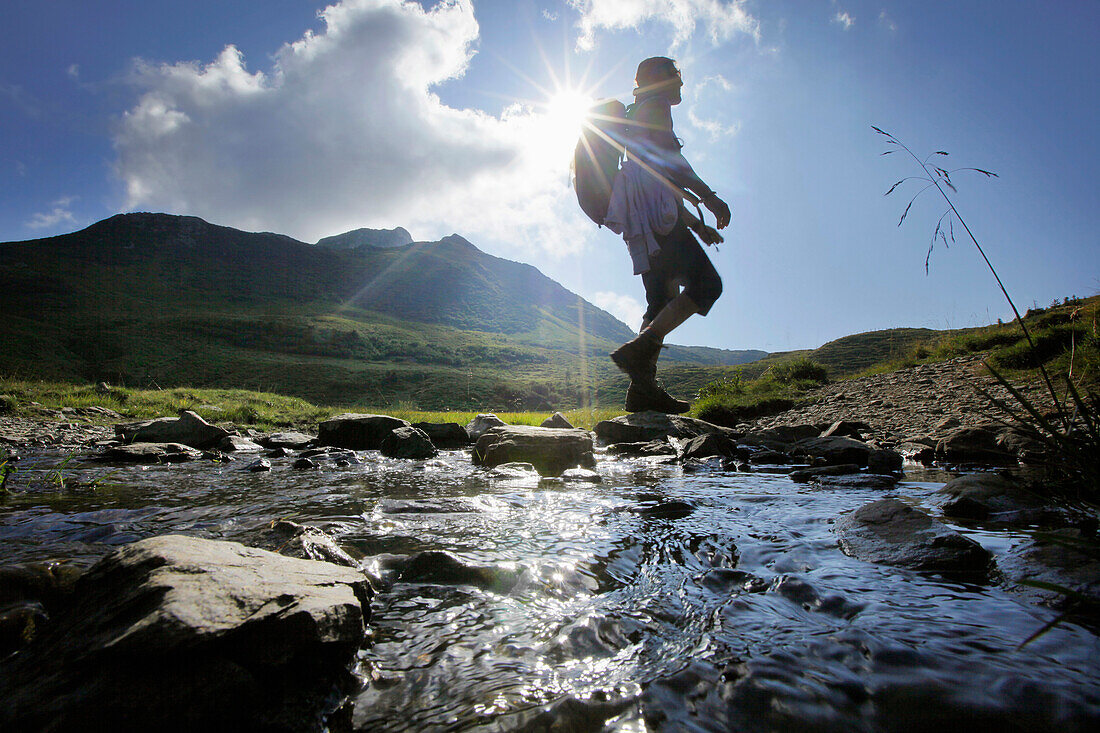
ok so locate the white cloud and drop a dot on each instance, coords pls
(843, 18)
(708, 94)
(720, 19)
(346, 131)
(73, 71)
(59, 213)
(549, 15)
(886, 22)
(626, 309)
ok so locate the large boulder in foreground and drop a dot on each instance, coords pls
(358, 432)
(550, 450)
(178, 633)
(642, 427)
(189, 428)
(893, 533)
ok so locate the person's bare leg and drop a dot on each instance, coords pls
(678, 310)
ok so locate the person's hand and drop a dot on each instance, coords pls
(719, 208)
(709, 235)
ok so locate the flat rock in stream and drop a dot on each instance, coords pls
(445, 435)
(287, 439)
(550, 450)
(237, 444)
(641, 427)
(357, 431)
(893, 533)
(189, 428)
(149, 453)
(834, 450)
(179, 633)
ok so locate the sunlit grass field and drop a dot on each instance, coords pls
(241, 407)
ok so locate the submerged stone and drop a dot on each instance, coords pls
(893, 533)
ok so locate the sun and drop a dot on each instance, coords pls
(566, 111)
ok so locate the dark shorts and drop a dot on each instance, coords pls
(681, 262)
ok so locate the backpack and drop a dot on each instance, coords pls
(596, 157)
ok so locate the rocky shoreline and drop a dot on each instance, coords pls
(901, 406)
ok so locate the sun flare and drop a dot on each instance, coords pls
(567, 109)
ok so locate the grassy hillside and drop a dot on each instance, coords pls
(148, 300)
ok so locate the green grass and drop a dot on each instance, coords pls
(733, 399)
(244, 407)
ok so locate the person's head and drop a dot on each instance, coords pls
(658, 75)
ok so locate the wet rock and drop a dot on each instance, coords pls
(305, 542)
(799, 591)
(445, 436)
(280, 453)
(641, 427)
(884, 461)
(290, 439)
(917, 451)
(178, 633)
(259, 465)
(408, 442)
(779, 438)
(550, 450)
(668, 510)
(358, 432)
(773, 457)
(981, 444)
(305, 464)
(659, 447)
(483, 422)
(706, 446)
(237, 444)
(557, 420)
(847, 429)
(581, 475)
(878, 481)
(515, 470)
(809, 474)
(892, 533)
(977, 495)
(1063, 559)
(834, 450)
(188, 428)
(29, 594)
(149, 453)
(436, 566)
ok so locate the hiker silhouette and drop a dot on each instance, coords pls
(647, 208)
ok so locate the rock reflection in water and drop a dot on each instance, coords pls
(656, 599)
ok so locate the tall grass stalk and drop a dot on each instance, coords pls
(940, 178)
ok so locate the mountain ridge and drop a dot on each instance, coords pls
(171, 299)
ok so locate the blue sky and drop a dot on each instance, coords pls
(308, 119)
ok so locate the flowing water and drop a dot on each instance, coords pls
(661, 598)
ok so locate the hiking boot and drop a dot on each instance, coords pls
(635, 357)
(642, 396)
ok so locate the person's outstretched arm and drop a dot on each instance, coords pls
(661, 149)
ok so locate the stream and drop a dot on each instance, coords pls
(663, 598)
